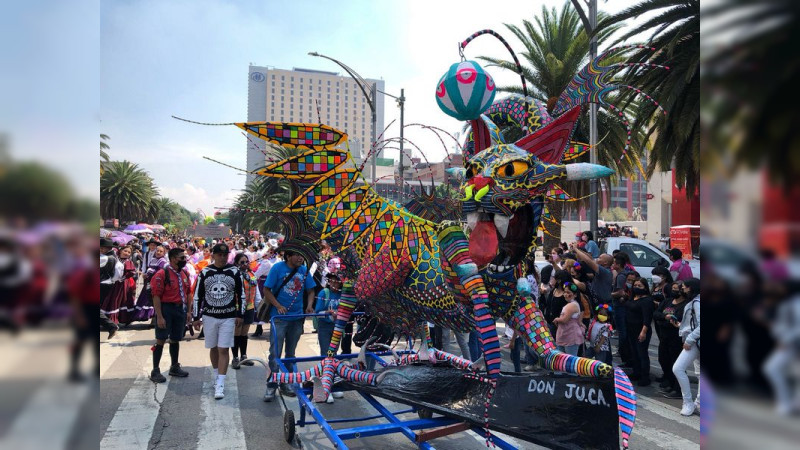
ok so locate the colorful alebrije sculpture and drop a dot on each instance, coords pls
(413, 270)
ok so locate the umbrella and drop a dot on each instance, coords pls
(105, 233)
(157, 227)
(138, 228)
(121, 238)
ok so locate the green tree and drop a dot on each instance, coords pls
(264, 193)
(556, 48)
(615, 214)
(674, 31)
(36, 192)
(126, 191)
(104, 158)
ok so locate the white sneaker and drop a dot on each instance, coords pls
(219, 391)
(338, 394)
(688, 409)
(329, 399)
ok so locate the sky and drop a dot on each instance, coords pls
(190, 59)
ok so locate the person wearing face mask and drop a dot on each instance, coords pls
(171, 291)
(619, 295)
(662, 286)
(667, 317)
(598, 335)
(554, 302)
(639, 324)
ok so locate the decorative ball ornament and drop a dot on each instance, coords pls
(465, 91)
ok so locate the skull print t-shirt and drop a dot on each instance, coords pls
(219, 293)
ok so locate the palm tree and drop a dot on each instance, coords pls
(556, 48)
(104, 158)
(161, 209)
(265, 193)
(675, 34)
(126, 191)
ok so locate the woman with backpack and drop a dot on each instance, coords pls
(689, 331)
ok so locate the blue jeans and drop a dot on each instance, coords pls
(569, 349)
(475, 350)
(288, 331)
(324, 334)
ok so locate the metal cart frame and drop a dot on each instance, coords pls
(443, 426)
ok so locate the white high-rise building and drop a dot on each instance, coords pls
(311, 96)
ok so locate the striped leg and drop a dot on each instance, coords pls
(347, 303)
(530, 322)
(455, 249)
(296, 377)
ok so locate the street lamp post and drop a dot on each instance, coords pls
(373, 93)
(590, 24)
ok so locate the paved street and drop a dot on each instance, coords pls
(136, 414)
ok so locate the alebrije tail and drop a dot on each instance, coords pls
(626, 404)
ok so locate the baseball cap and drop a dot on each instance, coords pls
(220, 248)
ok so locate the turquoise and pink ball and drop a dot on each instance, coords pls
(465, 91)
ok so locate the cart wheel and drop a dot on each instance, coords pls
(288, 426)
(424, 413)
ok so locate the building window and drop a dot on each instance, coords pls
(273, 104)
(273, 76)
(292, 86)
(282, 77)
(281, 84)
(329, 82)
(281, 107)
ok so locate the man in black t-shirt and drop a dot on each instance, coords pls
(219, 300)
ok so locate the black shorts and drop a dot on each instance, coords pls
(249, 316)
(175, 318)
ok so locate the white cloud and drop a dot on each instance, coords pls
(193, 197)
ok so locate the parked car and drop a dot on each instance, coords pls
(644, 256)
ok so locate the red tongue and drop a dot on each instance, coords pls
(483, 243)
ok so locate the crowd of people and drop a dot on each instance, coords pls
(588, 298)
(596, 305)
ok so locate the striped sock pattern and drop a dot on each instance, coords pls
(347, 303)
(359, 376)
(296, 377)
(455, 248)
(328, 369)
(456, 361)
(626, 404)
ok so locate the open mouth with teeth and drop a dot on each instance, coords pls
(499, 242)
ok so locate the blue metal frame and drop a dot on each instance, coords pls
(394, 425)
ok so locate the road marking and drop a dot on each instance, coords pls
(132, 425)
(55, 404)
(661, 439)
(668, 412)
(222, 425)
